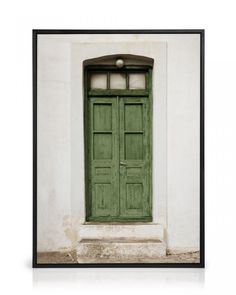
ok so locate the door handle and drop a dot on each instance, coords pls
(123, 163)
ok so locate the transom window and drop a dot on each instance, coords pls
(118, 80)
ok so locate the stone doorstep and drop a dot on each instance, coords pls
(118, 230)
(120, 250)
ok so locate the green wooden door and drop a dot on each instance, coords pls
(104, 155)
(134, 158)
(118, 154)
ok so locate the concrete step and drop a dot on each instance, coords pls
(124, 230)
(120, 250)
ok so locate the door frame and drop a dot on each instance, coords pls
(109, 93)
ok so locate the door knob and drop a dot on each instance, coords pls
(122, 163)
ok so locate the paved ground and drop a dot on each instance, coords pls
(71, 257)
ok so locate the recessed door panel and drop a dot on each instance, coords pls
(102, 201)
(102, 117)
(133, 146)
(134, 196)
(133, 116)
(102, 145)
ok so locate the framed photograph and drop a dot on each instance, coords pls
(118, 144)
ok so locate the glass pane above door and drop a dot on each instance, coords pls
(98, 81)
(137, 81)
(117, 81)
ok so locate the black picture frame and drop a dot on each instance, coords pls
(201, 264)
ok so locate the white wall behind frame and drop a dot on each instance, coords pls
(183, 142)
(53, 166)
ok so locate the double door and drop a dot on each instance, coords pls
(119, 157)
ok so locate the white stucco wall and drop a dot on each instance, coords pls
(176, 84)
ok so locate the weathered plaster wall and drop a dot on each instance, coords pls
(53, 144)
(61, 207)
